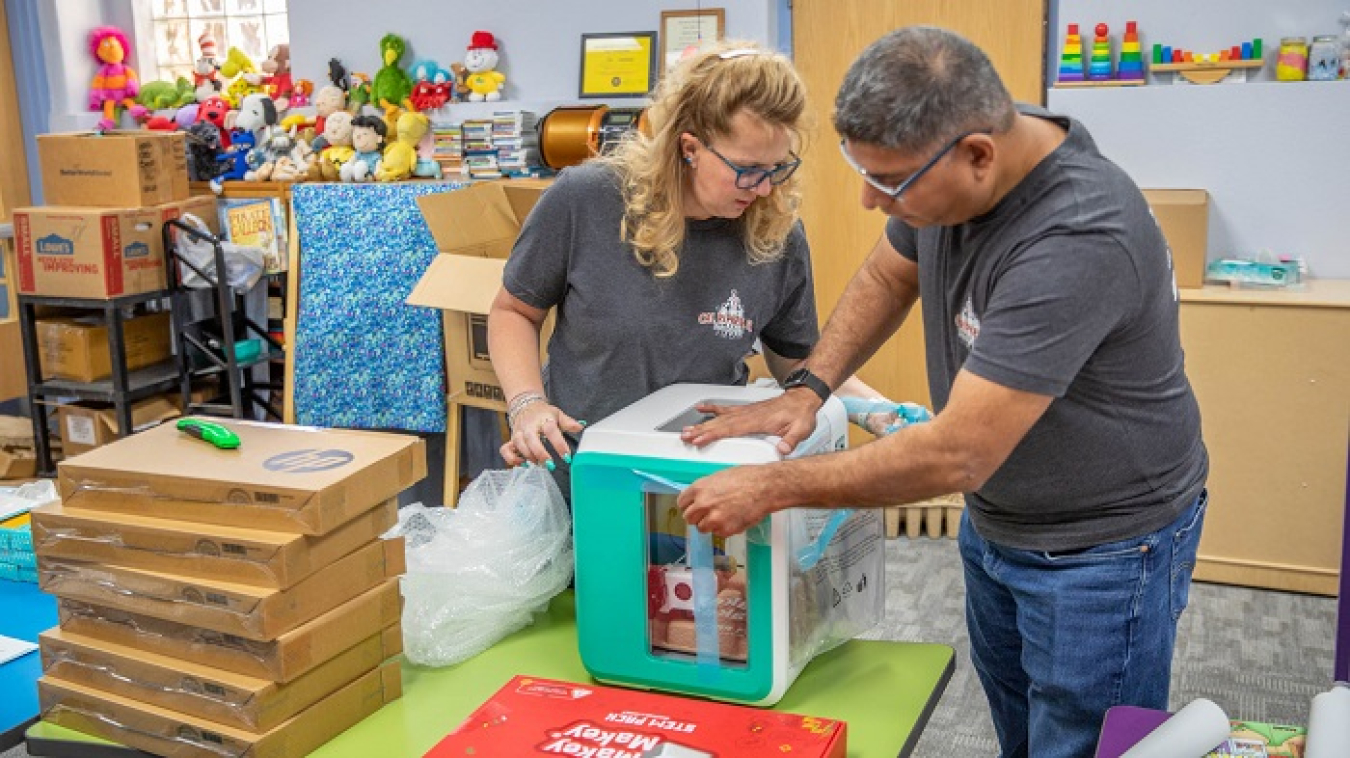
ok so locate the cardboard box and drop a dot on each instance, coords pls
(285, 659)
(87, 424)
(474, 229)
(76, 347)
(186, 686)
(255, 613)
(113, 169)
(285, 478)
(90, 252)
(533, 716)
(177, 735)
(13, 376)
(17, 459)
(1183, 215)
(230, 553)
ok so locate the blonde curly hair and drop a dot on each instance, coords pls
(700, 96)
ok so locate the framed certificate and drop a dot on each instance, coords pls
(682, 30)
(618, 65)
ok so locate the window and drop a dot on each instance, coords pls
(253, 26)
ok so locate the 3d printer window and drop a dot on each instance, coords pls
(672, 630)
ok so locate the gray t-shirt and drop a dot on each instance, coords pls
(621, 332)
(1065, 289)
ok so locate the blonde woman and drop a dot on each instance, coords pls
(666, 260)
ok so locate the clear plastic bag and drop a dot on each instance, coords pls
(479, 572)
(243, 263)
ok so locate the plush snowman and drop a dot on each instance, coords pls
(483, 81)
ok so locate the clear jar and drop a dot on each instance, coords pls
(1292, 63)
(1324, 58)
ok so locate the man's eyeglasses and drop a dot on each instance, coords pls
(750, 177)
(895, 192)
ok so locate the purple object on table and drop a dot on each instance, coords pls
(1124, 726)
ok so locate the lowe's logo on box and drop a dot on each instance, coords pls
(54, 244)
(136, 250)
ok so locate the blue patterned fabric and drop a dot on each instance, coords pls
(364, 359)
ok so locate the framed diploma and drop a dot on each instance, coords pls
(618, 65)
(682, 30)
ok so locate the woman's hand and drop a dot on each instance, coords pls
(531, 426)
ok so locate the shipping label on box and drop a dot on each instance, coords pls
(288, 657)
(255, 613)
(208, 551)
(113, 169)
(474, 229)
(178, 735)
(282, 477)
(534, 716)
(86, 425)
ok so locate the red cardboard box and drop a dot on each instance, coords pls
(533, 716)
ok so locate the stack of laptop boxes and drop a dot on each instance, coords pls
(225, 602)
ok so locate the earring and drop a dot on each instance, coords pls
(689, 159)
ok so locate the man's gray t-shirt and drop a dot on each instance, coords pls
(1065, 289)
(623, 333)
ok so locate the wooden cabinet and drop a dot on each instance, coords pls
(1272, 374)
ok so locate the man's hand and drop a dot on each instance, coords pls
(730, 501)
(790, 416)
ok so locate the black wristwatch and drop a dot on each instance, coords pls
(803, 377)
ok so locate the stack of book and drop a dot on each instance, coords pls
(447, 146)
(480, 154)
(515, 135)
(225, 601)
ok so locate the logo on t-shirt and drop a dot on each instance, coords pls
(968, 325)
(729, 321)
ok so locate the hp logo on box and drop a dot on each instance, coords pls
(308, 461)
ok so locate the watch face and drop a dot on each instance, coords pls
(795, 377)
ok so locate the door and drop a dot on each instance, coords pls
(827, 36)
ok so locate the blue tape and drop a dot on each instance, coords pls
(700, 550)
(810, 554)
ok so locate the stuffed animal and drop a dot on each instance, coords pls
(338, 150)
(400, 157)
(367, 137)
(330, 100)
(237, 156)
(214, 110)
(206, 70)
(206, 160)
(430, 90)
(459, 88)
(392, 87)
(244, 76)
(427, 165)
(484, 81)
(258, 115)
(280, 87)
(162, 95)
(304, 90)
(337, 74)
(115, 84)
(360, 93)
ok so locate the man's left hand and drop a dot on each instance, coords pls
(791, 417)
(730, 501)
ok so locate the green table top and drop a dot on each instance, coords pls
(884, 690)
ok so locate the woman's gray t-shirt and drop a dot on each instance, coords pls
(621, 332)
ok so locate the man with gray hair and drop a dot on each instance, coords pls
(1056, 370)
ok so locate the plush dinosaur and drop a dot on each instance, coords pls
(160, 95)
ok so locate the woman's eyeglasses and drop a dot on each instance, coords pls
(750, 177)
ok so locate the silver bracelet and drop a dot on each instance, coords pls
(519, 403)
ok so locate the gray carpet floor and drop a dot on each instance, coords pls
(1260, 655)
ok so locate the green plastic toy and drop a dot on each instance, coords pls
(211, 432)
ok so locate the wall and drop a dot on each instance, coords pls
(540, 41)
(1271, 154)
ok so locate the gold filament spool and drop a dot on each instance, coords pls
(567, 134)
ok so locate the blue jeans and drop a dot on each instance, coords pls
(1058, 638)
